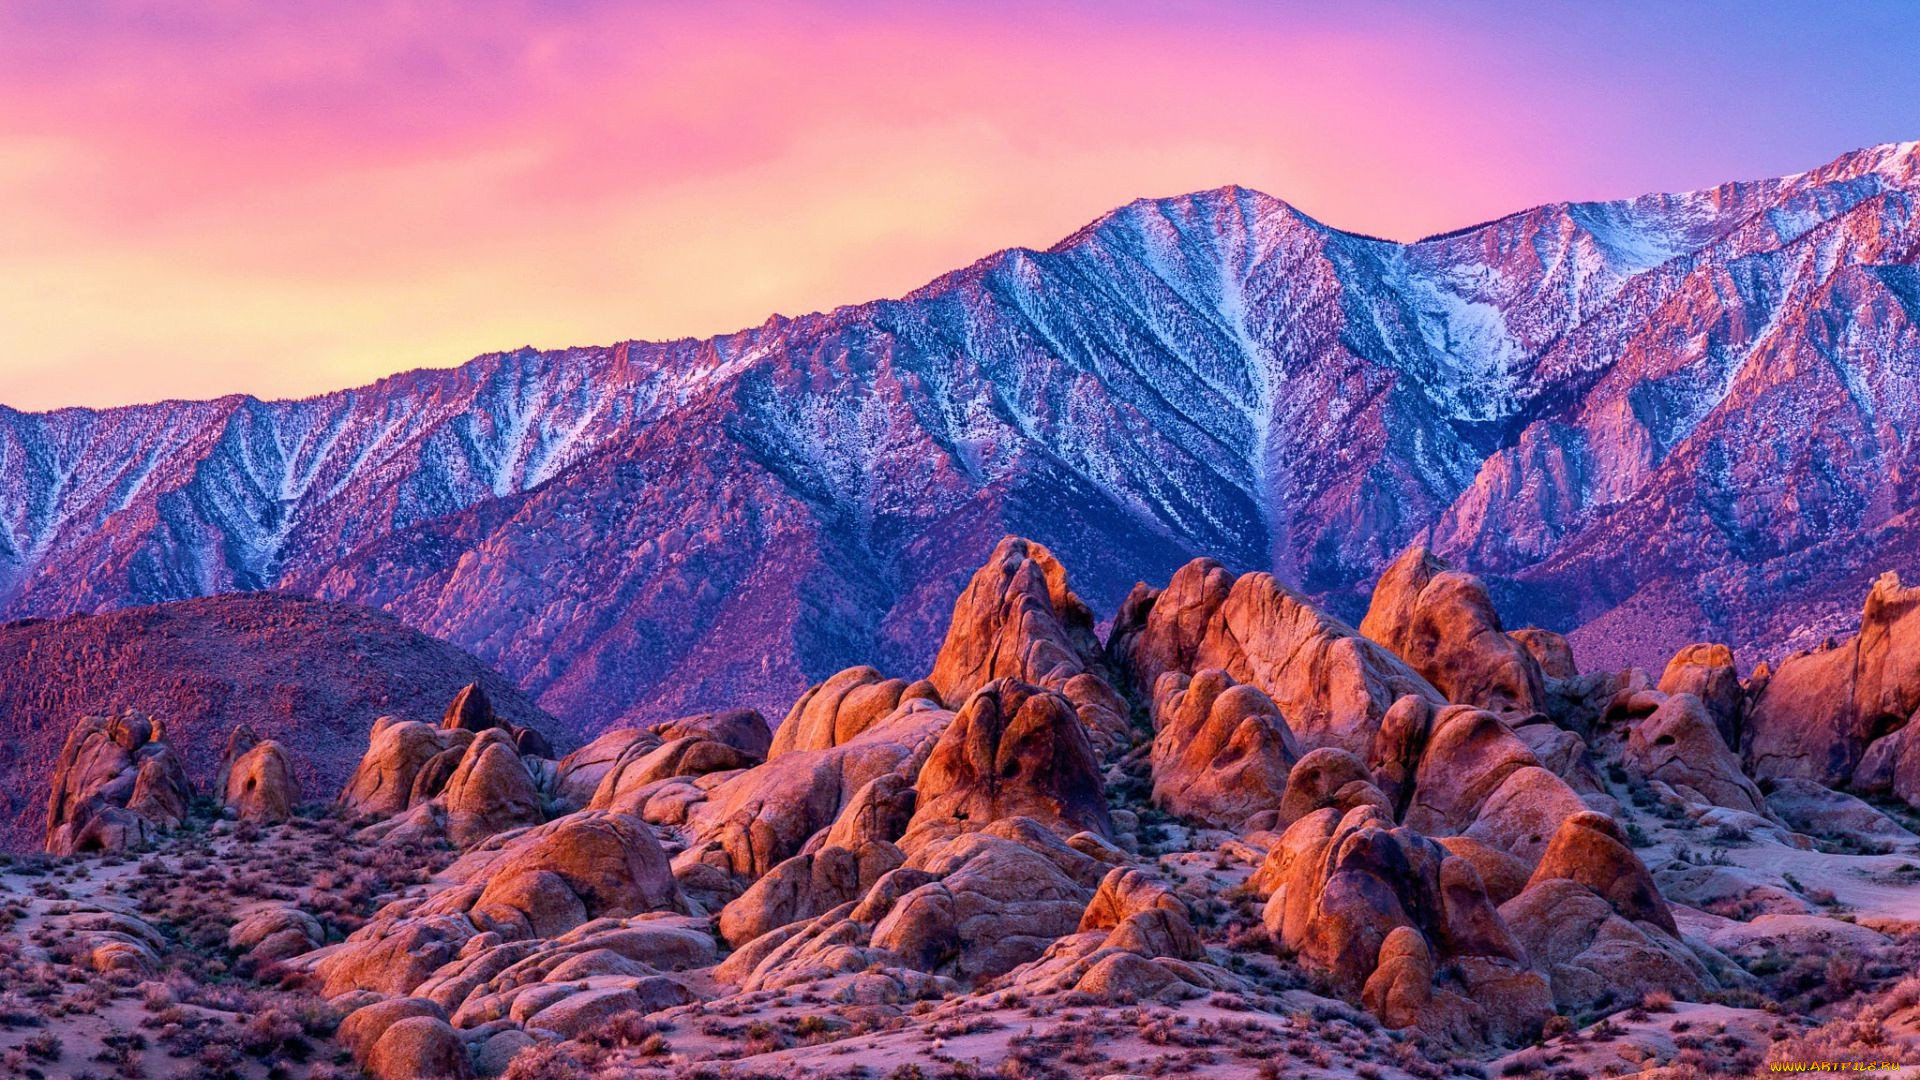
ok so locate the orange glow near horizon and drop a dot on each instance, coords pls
(230, 202)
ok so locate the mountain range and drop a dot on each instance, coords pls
(1645, 422)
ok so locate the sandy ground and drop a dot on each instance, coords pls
(183, 1016)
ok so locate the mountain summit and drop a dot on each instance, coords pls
(1646, 422)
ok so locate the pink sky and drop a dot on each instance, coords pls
(227, 196)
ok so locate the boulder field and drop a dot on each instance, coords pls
(1429, 825)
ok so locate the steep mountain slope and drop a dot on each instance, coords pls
(1645, 421)
(310, 674)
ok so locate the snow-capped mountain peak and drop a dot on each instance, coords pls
(1713, 391)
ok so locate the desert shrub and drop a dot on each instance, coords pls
(18, 1011)
(1731, 835)
(625, 1029)
(546, 1061)
(218, 1058)
(45, 1046)
(270, 1030)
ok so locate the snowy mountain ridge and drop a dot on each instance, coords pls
(1675, 416)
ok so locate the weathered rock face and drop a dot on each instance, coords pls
(1475, 777)
(626, 760)
(1595, 957)
(1707, 672)
(118, 784)
(1398, 747)
(397, 752)
(359, 1031)
(1551, 651)
(1017, 619)
(240, 740)
(1891, 765)
(1410, 926)
(744, 730)
(1443, 624)
(1329, 777)
(1468, 756)
(1820, 710)
(1341, 691)
(839, 709)
(1135, 943)
(256, 780)
(611, 864)
(1519, 817)
(1129, 897)
(1564, 754)
(419, 1047)
(1344, 886)
(490, 790)
(1815, 809)
(979, 801)
(1333, 685)
(1013, 750)
(470, 710)
(1503, 874)
(997, 898)
(1680, 746)
(974, 905)
(880, 810)
(1400, 990)
(1887, 689)
(462, 781)
(1592, 919)
(1222, 750)
(573, 981)
(743, 824)
(806, 886)
(571, 985)
(1158, 631)
(989, 883)
(1591, 849)
(646, 762)
(580, 773)
(542, 883)
(276, 932)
